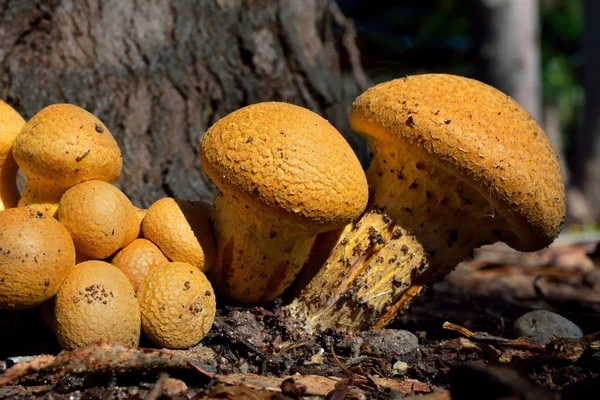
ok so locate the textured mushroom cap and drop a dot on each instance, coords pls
(137, 259)
(96, 302)
(36, 254)
(287, 161)
(471, 130)
(11, 123)
(178, 305)
(182, 231)
(99, 217)
(66, 144)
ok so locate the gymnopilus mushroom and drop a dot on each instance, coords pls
(285, 174)
(456, 165)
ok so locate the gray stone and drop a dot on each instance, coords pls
(541, 326)
(391, 344)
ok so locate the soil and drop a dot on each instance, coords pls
(250, 351)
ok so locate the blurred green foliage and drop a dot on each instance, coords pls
(561, 33)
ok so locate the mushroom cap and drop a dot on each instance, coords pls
(182, 231)
(96, 302)
(287, 161)
(66, 145)
(11, 123)
(99, 217)
(137, 259)
(475, 132)
(36, 254)
(178, 305)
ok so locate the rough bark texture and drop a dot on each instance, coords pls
(159, 72)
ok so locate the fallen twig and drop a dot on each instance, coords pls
(106, 357)
(560, 349)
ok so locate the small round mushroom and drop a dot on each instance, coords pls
(99, 217)
(182, 231)
(137, 259)
(178, 305)
(96, 302)
(61, 146)
(456, 164)
(36, 254)
(285, 174)
(11, 123)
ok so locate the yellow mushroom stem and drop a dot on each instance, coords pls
(258, 255)
(42, 196)
(9, 193)
(420, 223)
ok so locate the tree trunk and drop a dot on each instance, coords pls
(584, 151)
(510, 50)
(158, 73)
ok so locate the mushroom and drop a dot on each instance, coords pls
(137, 259)
(141, 213)
(456, 165)
(36, 254)
(61, 146)
(182, 231)
(99, 217)
(178, 305)
(96, 302)
(11, 123)
(285, 174)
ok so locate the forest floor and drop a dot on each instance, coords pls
(466, 348)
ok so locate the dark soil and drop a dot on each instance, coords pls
(258, 341)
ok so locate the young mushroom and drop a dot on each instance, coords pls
(137, 259)
(11, 123)
(61, 146)
(456, 164)
(36, 254)
(99, 217)
(178, 305)
(182, 231)
(96, 302)
(285, 174)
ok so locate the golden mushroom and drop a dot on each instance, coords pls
(61, 146)
(456, 164)
(99, 217)
(285, 174)
(96, 302)
(36, 254)
(11, 123)
(178, 305)
(182, 231)
(137, 259)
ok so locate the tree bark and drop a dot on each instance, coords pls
(158, 73)
(509, 47)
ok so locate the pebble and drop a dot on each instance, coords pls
(392, 344)
(400, 368)
(540, 326)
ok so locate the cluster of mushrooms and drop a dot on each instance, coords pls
(456, 165)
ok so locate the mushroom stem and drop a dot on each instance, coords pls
(420, 223)
(42, 196)
(258, 254)
(10, 125)
(9, 193)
